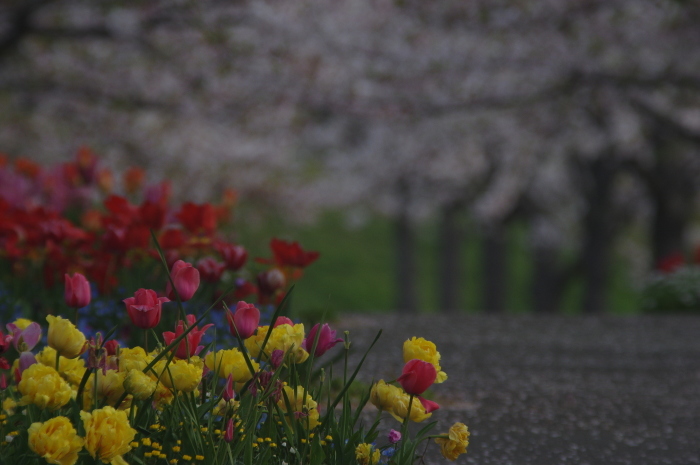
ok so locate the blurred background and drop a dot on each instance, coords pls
(481, 155)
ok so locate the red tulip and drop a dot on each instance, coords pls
(234, 256)
(77, 291)
(210, 269)
(428, 405)
(244, 321)
(326, 340)
(189, 346)
(291, 254)
(186, 280)
(417, 376)
(270, 281)
(144, 308)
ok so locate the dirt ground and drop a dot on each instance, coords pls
(554, 390)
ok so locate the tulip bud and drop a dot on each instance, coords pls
(228, 394)
(77, 291)
(244, 321)
(417, 376)
(186, 280)
(283, 320)
(228, 436)
(326, 340)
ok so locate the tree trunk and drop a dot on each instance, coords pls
(495, 273)
(545, 285)
(450, 272)
(598, 232)
(407, 295)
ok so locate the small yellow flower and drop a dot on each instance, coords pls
(367, 455)
(56, 440)
(455, 443)
(65, 337)
(139, 384)
(395, 401)
(108, 434)
(43, 387)
(230, 362)
(421, 349)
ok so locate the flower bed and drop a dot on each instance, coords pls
(233, 391)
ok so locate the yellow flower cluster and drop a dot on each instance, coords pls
(230, 362)
(56, 441)
(420, 349)
(284, 337)
(70, 369)
(455, 443)
(300, 404)
(395, 400)
(367, 455)
(43, 386)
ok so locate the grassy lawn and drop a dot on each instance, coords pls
(356, 268)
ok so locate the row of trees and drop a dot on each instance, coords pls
(578, 117)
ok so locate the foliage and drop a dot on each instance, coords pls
(675, 291)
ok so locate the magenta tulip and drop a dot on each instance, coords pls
(228, 435)
(77, 291)
(326, 340)
(417, 376)
(244, 321)
(144, 308)
(186, 280)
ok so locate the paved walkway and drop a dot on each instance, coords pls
(555, 390)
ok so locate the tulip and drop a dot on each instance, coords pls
(244, 321)
(394, 436)
(186, 280)
(210, 269)
(428, 405)
(234, 256)
(189, 346)
(283, 320)
(144, 308)
(228, 394)
(25, 339)
(417, 376)
(270, 281)
(228, 436)
(326, 340)
(65, 338)
(5, 341)
(77, 291)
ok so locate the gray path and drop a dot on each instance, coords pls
(556, 390)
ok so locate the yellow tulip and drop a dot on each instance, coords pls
(65, 337)
(455, 443)
(421, 349)
(56, 441)
(43, 386)
(108, 434)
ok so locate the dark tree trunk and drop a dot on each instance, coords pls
(450, 273)
(598, 231)
(495, 269)
(407, 295)
(545, 288)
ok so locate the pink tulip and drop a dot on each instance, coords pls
(228, 394)
(211, 269)
(234, 256)
(77, 291)
(25, 339)
(283, 320)
(228, 435)
(186, 280)
(189, 346)
(326, 340)
(244, 321)
(394, 436)
(5, 340)
(417, 376)
(144, 308)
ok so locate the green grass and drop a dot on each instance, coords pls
(356, 269)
